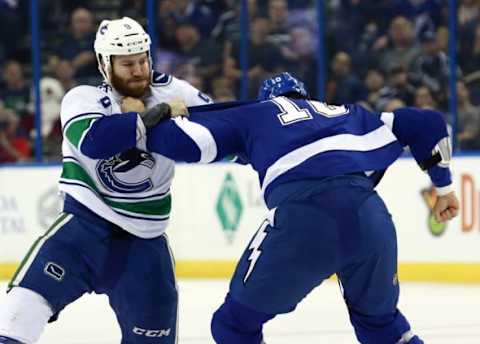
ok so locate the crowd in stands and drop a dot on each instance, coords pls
(383, 54)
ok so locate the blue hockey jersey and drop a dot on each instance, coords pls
(291, 139)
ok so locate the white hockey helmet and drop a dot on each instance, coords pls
(119, 37)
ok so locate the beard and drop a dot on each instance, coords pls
(126, 88)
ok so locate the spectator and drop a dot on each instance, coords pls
(300, 57)
(225, 95)
(424, 99)
(365, 55)
(190, 11)
(470, 54)
(16, 94)
(12, 146)
(374, 82)
(204, 55)
(167, 61)
(399, 86)
(228, 24)
(423, 13)
(53, 15)
(361, 16)
(468, 12)
(432, 66)
(442, 39)
(77, 47)
(279, 22)
(218, 6)
(403, 50)
(264, 57)
(468, 20)
(187, 71)
(222, 90)
(468, 120)
(344, 86)
(167, 27)
(64, 73)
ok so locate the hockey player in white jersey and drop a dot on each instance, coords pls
(110, 237)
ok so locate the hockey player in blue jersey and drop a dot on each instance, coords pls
(318, 165)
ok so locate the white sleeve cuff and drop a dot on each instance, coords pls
(442, 191)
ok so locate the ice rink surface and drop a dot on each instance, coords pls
(440, 313)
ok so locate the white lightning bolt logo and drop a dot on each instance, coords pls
(256, 242)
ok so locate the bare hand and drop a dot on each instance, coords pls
(446, 207)
(178, 108)
(130, 104)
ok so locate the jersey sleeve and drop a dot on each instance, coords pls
(203, 137)
(425, 133)
(89, 126)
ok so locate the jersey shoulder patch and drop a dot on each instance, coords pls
(105, 87)
(160, 79)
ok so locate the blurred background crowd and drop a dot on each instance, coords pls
(383, 54)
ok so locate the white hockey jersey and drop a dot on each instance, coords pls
(130, 189)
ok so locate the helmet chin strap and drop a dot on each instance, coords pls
(108, 74)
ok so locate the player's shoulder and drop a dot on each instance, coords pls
(87, 91)
(360, 109)
(85, 99)
(167, 86)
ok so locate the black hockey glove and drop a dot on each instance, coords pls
(155, 114)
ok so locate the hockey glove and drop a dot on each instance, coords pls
(155, 114)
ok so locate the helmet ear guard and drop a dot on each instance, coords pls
(282, 84)
(119, 37)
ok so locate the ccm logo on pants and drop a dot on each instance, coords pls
(151, 333)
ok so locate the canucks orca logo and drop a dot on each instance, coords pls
(127, 172)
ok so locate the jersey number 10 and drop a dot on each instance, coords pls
(291, 113)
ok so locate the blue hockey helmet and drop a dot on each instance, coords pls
(281, 84)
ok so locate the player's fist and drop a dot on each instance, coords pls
(130, 104)
(178, 108)
(446, 207)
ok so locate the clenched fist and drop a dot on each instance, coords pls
(446, 207)
(178, 108)
(130, 104)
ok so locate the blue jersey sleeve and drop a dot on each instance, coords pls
(110, 135)
(422, 130)
(203, 137)
(169, 140)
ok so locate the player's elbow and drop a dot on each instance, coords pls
(435, 121)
